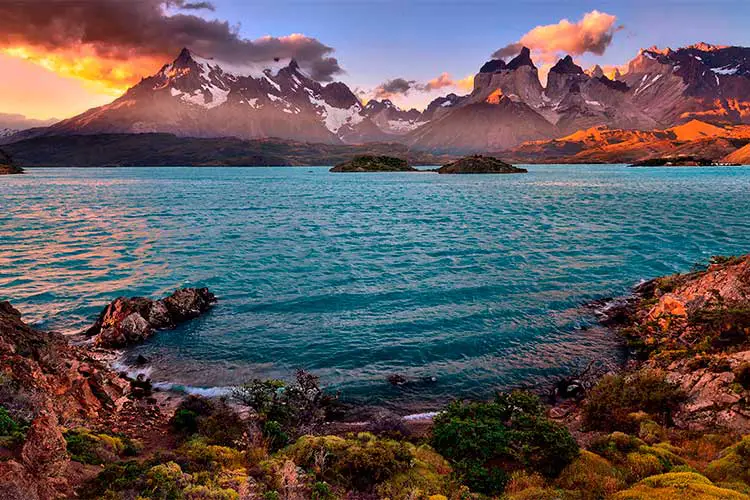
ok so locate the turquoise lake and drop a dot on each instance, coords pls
(476, 281)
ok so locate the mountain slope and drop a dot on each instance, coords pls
(662, 89)
(200, 97)
(606, 145)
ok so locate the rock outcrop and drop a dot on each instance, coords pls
(366, 163)
(50, 384)
(696, 327)
(478, 164)
(126, 321)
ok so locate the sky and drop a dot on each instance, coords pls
(61, 57)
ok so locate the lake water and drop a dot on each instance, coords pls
(477, 281)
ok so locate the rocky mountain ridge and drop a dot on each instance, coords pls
(201, 97)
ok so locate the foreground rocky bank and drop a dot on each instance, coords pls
(669, 426)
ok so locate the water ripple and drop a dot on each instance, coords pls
(474, 280)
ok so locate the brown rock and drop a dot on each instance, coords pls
(16, 483)
(44, 451)
(128, 321)
(189, 303)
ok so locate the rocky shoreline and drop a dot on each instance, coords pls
(670, 423)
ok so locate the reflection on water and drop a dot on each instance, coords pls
(474, 280)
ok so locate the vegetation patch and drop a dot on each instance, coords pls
(614, 401)
(486, 442)
(95, 449)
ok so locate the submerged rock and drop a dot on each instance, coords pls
(478, 164)
(368, 163)
(126, 321)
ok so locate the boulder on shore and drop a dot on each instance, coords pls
(369, 163)
(478, 164)
(126, 321)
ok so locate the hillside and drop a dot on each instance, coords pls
(169, 150)
(605, 145)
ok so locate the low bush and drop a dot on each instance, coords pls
(12, 433)
(120, 477)
(296, 409)
(683, 485)
(615, 398)
(360, 463)
(165, 481)
(95, 449)
(213, 420)
(485, 442)
(197, 455)
(733, 464)
(591, 474)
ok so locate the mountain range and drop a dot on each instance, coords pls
(508, 110)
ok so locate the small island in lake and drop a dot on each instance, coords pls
(478, 164)
(681, 161)
(370, 163)
(6, 165)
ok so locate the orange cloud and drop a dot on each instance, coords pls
(465, 84)
(444, 80)
(29, 89)
(593, 33)
(110, 76)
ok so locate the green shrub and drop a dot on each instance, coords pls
(732, 465)
(275, 435)
(214, 420)
(591, 473)
(615, 398)
(486, 441)
(95, 449)
(357, 464)
(8, 426)
(165, 481)
(202, 492)
(683, 485)
(12, 433)
(321, 491)
(185, 422)
(298, 408)
(115, 477)
(197, 455)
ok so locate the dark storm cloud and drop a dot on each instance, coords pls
(393, 87)
(181, 4)
(118, 29)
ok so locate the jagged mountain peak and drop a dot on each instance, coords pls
(493, 66)
(567, 66)
(595, 72)
(706, 47)
(522, 59)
